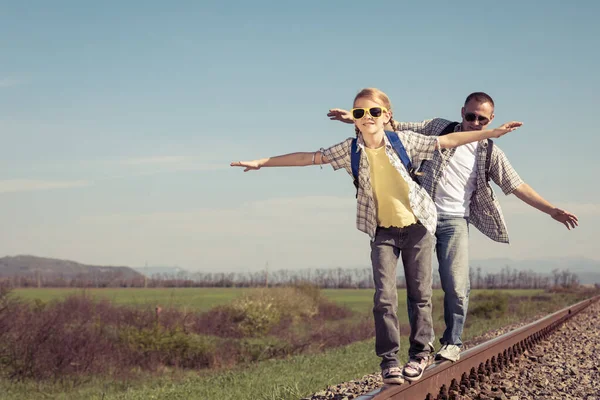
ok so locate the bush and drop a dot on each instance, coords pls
(255, 315)
(258, 313)
(42, 342)
(5, 290)
(259, 349)
(309, 290)
(541, 297)
(169, 347)
(329, 311)
(297, 303)
(79, 337)
(488, 306)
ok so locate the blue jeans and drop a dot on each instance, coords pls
(414, 244)
(452, 248)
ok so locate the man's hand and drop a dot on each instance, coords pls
(337, 114)
(505, 128)
(564, 217)
(249, 165)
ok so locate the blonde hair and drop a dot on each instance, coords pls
(379, 97)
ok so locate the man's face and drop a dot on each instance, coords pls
(476, 115)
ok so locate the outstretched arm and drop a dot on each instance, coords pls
(526, 193)
(286, 160)
(339, 114)
(459, 138)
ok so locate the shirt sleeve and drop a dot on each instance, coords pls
(338, 155)
(418, 127)
(502, 173)
(419, 147)
(429, 127)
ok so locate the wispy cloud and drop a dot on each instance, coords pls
(265, 217)
(159, 164)
(297, 208)
(305, 232)
(8, 82)
(127, 168)
(512, 205)
(23, 185)
(290, 232)
(157, 160)
(581, 208)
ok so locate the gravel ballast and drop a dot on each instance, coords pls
(565, 366)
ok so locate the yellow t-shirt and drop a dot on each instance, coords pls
(390, 191)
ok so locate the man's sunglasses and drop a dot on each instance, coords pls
(470, 117)
(375, 112)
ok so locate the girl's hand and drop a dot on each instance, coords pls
(338, 114)
(249, 165)
(505, 128)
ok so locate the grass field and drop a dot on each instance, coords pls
(290, 378)
(192, 299)
(203, 299)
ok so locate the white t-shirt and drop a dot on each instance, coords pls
(457, 183)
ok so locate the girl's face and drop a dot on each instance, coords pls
(367, 123)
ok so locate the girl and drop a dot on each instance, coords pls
(397, 214)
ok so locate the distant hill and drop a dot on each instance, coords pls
(27, 266)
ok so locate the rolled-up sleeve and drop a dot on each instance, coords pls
(502, 173)
(428, 127)
(338, 155)
(419, 127)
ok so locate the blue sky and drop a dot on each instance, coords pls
(118, 121)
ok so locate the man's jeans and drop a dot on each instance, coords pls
(452, 249)
(415, 245)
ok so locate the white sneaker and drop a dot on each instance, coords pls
(448, 352)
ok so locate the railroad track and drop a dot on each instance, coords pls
(445, 377)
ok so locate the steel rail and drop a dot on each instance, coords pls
(444, 376)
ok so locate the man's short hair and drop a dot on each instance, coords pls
(480, 97)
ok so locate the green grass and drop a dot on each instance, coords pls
(203, 299)
(290, 378)
(279, 379)
(193, 299)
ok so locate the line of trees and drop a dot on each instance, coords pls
(338, 278)
(58, 280)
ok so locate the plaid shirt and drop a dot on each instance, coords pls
(485, 213)
(418, 148)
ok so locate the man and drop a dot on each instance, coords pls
(458, 182)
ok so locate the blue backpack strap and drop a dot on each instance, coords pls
(449, 128)
(401, 151)
(355, 162)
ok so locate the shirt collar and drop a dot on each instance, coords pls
(361, 142)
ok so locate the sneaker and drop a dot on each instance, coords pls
(448, 352)
(392, 375)
(414, 368)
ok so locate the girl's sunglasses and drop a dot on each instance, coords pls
(375, 112)
(470, 117)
